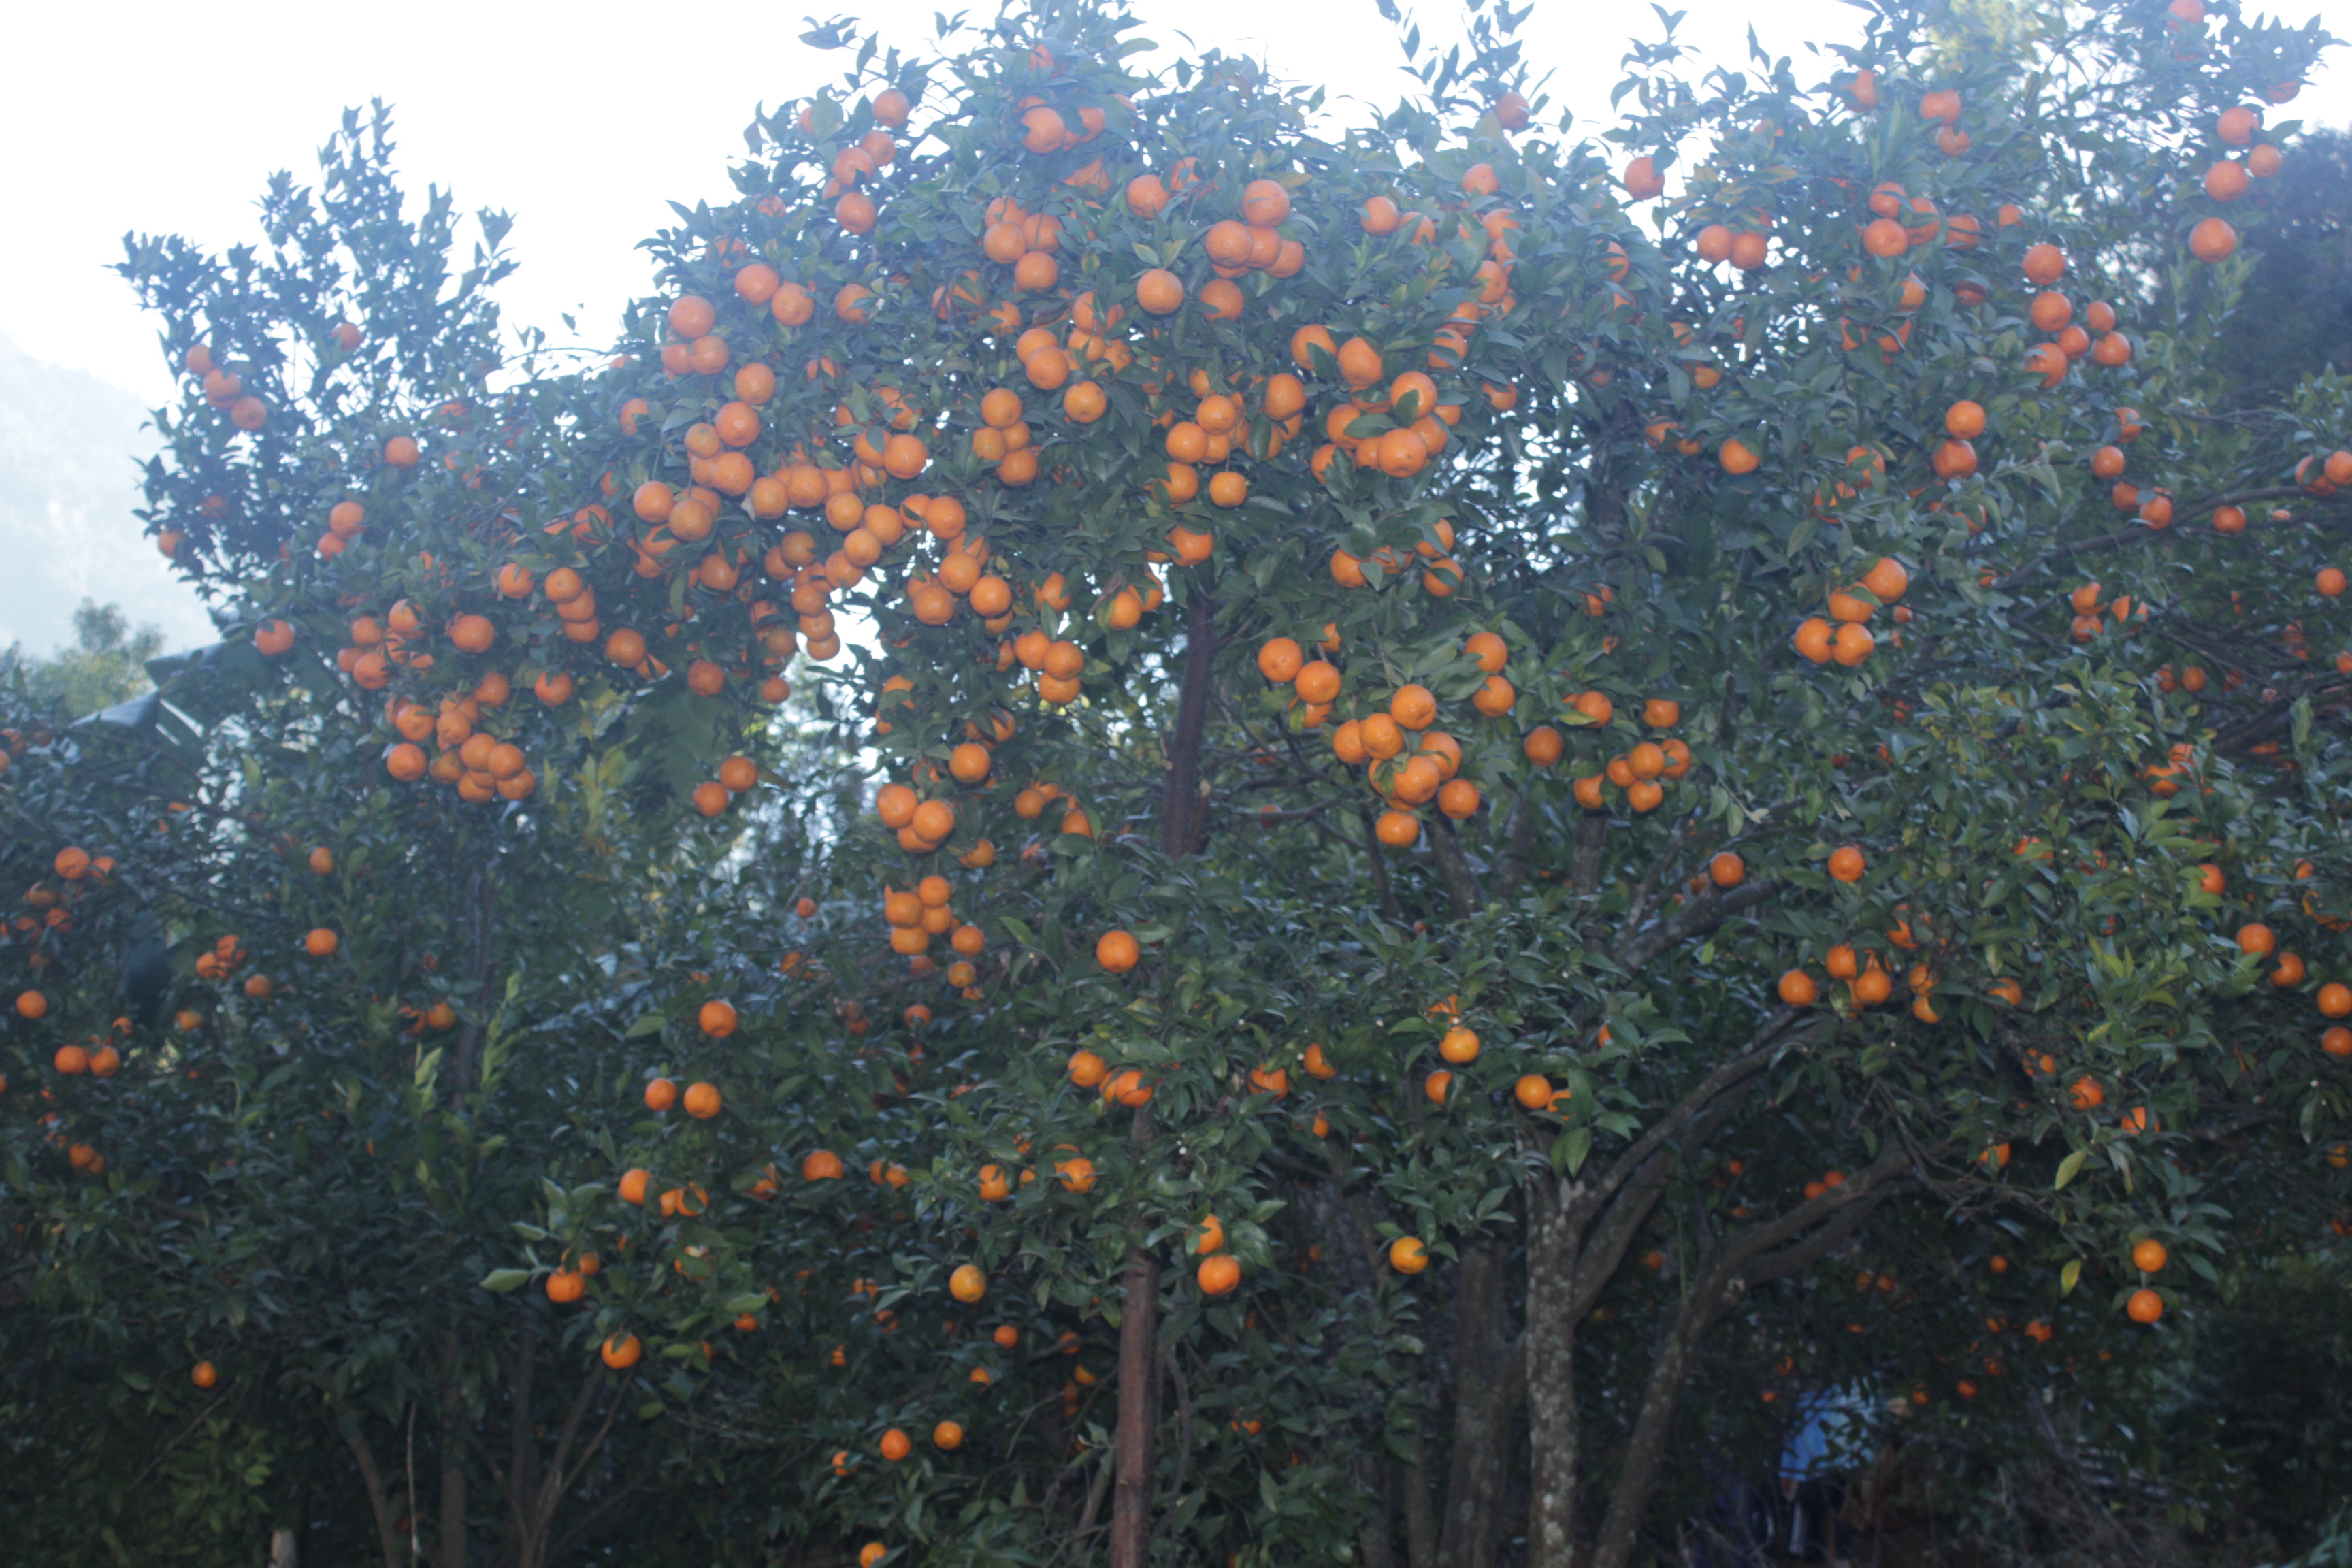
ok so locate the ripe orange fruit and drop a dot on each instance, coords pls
(1118, 951)
(1407, 1255)
(2044, 264)
(2144, 1307)
(967, 1284)
(2213, 240)
(1727, 871)
(660, 1094)
(1737, 456)
(1798, 990)
(1280, 659)
(321, 943)
(717, 1018)
(1847, 864)
(1160, 291)
(620, 1352)
(1218, 1273)
(204, 1374)
(1147, 197)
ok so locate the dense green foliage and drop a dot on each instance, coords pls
(494, 824)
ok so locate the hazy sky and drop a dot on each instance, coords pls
(582, 120)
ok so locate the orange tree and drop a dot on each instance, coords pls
(1635, 708)
(1586, 746)
(288, 1048)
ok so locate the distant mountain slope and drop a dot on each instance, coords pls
(69, 479)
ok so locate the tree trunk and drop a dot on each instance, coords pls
(1638, 1477)
(281, 1547)
(1180, 809)
(1490, 1384)
(453, 1552)
(1553, 1236)
(1420, 1523)
(482, 897)
(1376, 1536)
(1454, 869)
(387, 1538)
(1764, 1251)
(1139, 1412)
(1181, 812)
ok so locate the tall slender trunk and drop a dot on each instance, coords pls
(1376, 1536)
(522, 1444)
(281, 1547)
(1181, 815)
(1139, 1413)
(372, 1474)
(454, 1551)
(482, 895)
(1420, 1522)
(1138, 1397)
(1553, 1236)
(1180, 811)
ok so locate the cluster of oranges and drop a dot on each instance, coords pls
(1642, 771)
(479, 765)
(918, 915)
(51, 911)
(1844, 635)
(224, 390)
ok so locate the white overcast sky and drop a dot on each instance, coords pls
(582, 119)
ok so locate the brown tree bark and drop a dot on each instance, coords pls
(452, 1548)
(1139, 1399)
(1490, 1384)
(1554, 1233)
(1182, 814)
(372, 1475)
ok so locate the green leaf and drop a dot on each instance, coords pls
(2068, 1167)
(505, 1281)
(2069, 1277)
(646, 1023)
